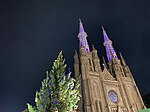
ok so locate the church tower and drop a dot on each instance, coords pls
(107, 88)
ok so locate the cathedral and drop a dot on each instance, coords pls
(107, 88)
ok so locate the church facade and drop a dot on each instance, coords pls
(107, 88)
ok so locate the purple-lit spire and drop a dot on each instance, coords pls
(82, 37)
(109, 48)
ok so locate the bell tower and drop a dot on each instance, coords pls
(87, 71)
(107, 88)
(122, 91)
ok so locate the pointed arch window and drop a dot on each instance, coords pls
(90, 64)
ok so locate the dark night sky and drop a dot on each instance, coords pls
(33, 32)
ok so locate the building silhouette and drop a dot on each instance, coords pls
(107, 88)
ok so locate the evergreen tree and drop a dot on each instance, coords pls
(145, 110)
(59, 92)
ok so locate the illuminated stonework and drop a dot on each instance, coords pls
(109, 48)
(82, 37)
(110, 88)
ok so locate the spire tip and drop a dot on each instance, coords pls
(76, 52)
(82, 37)
(122, 59)
(102, 27)
(80, 20)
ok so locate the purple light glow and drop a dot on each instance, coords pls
(109, 48)
(81, 29)
(105, 36)
(82, 37)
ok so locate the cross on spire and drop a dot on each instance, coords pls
(82, 37)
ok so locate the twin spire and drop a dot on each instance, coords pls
(82, 37)
(110, 52)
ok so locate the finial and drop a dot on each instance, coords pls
(93, 47)
(76, 52)
(122, 59)
(81, 28)
(105, 35)
(80, 20)
(103, 28)
(76, 58)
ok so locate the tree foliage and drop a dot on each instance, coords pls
(59, 92)
(145, 110)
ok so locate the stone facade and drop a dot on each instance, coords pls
(107, 88)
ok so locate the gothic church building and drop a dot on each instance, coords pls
(107, 88)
